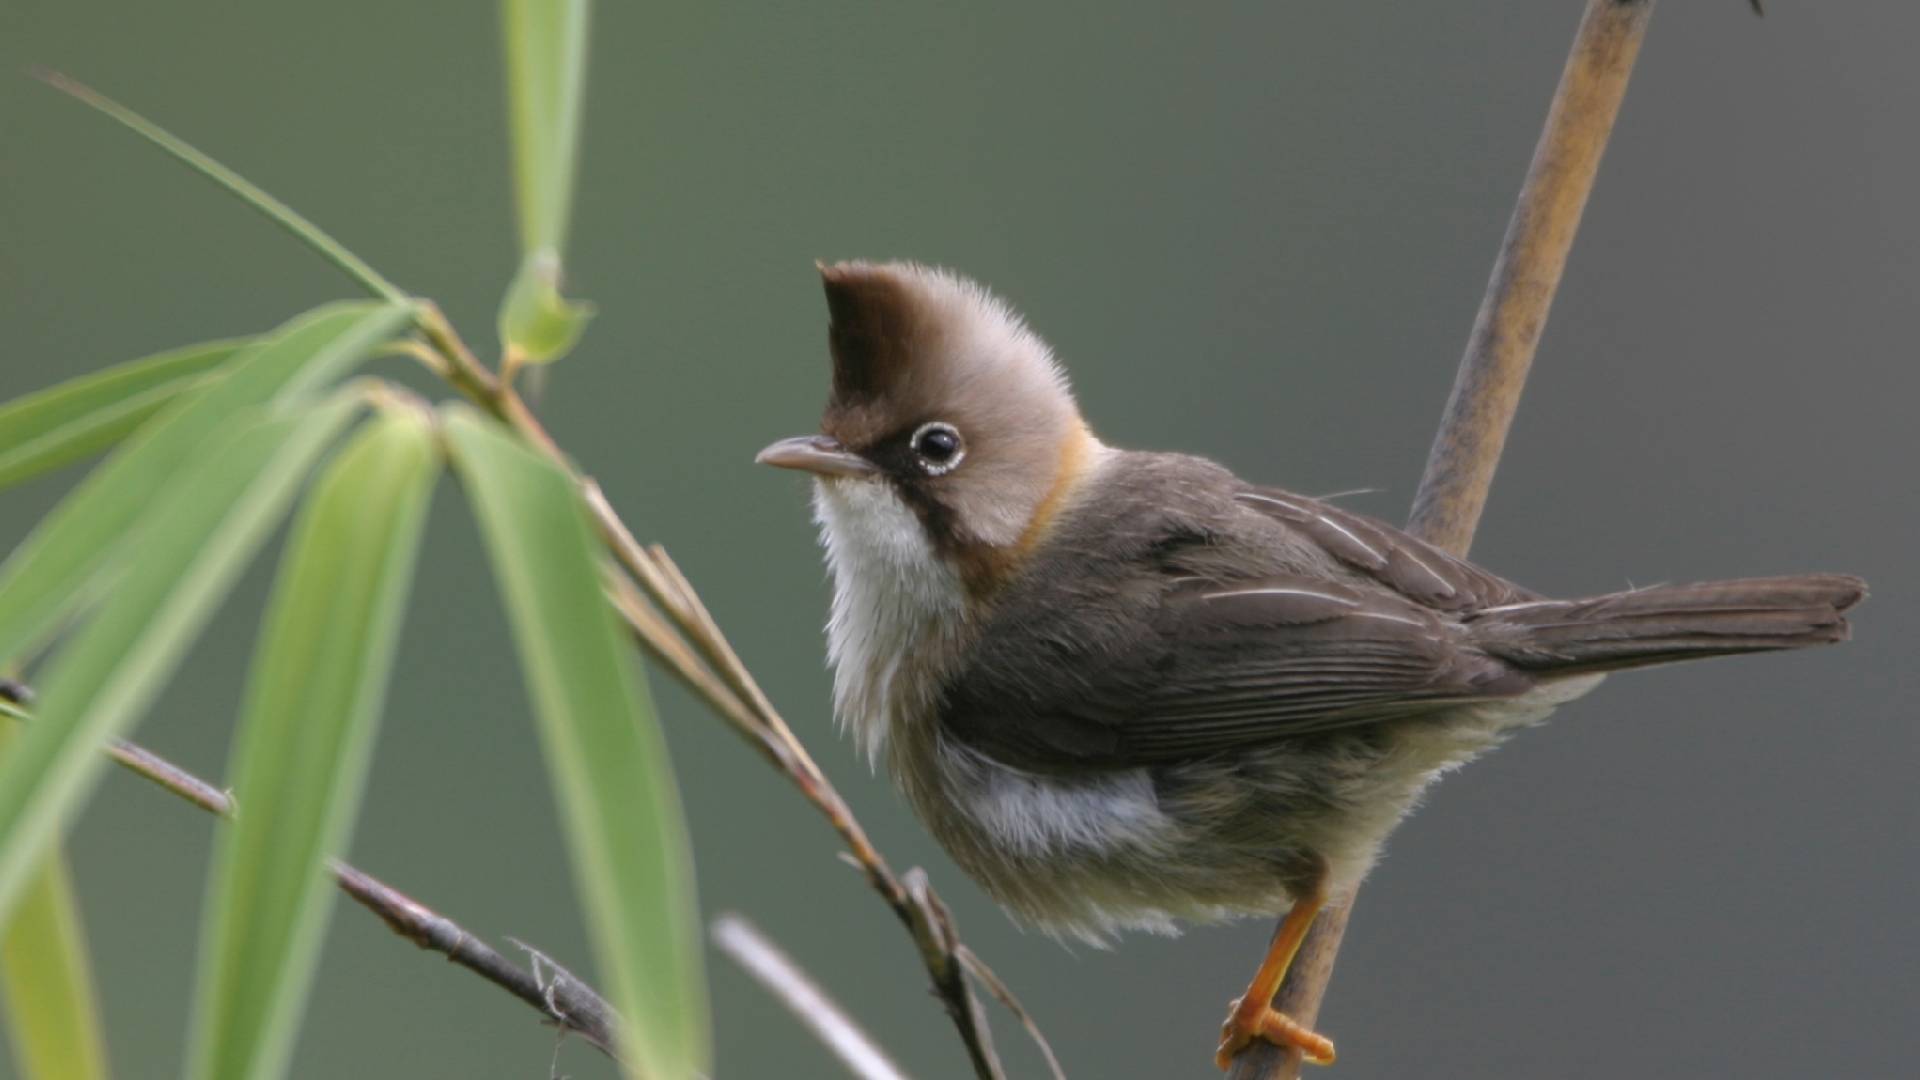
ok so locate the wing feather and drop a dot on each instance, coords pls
(1222, 669)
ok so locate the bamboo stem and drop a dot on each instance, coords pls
(1486, 390)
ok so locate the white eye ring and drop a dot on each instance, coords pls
(928, 464)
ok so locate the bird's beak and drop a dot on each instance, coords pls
(817, 454)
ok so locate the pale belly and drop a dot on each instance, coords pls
(1089, 855)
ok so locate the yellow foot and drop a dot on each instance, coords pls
(1249, 1022)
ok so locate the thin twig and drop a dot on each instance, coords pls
(15, 696)
(775, 970)
(939, 939)
(213, 800)
(1486, 391)
(995, 986)
(563, 999)
(560, 996)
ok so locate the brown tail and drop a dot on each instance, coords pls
(1665, 623)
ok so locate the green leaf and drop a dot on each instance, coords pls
(537, 322)
(52, 1011)
(79, 417)
(52, 572)
(304, 743)
(546, 47)
(605, 755)
(239, 186)
(205, 527)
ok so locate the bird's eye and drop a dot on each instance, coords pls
(938, 446)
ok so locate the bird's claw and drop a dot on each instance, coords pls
(1246, 1023)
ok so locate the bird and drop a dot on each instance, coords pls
(1128, 690)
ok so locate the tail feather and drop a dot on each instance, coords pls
(1667, 623)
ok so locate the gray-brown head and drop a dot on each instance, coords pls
(946, 412)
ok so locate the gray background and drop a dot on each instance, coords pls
(1256, 231)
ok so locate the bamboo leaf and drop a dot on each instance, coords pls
(79, 417)
(546, 47)
(605, 755)
(238, 186)
(304, 742)
(546, 50)
(204, 529)
(50, 574)
(52, 1010)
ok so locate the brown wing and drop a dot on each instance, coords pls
(1220, 667)
(1175, 624)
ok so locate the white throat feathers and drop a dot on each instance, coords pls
(898, 609)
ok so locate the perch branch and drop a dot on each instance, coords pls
(774, 969)
(1486, 390)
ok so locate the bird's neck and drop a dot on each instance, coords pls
(1080, 454)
